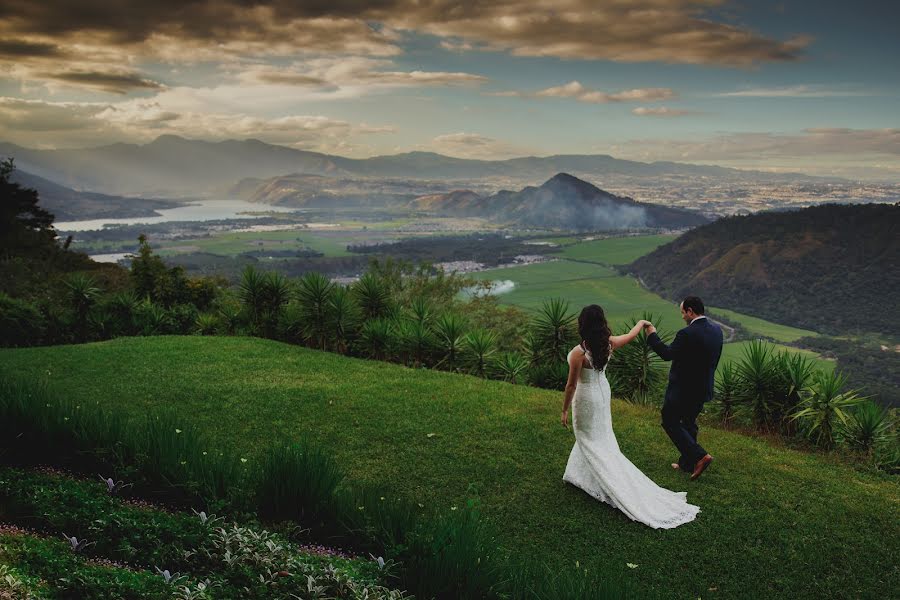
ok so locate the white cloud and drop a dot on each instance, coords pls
(576, 90)
(660, 111)
(794, 91)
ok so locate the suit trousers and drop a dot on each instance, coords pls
(679, 419)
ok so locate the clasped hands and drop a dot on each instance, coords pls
(648, 326)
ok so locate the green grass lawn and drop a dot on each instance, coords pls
(775, 522)
(580, 284)
(616, 251)
(755, 325)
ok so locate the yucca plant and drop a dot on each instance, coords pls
(343, 318)
(554, 328)
(153, 319)
(758, 385)
(124, 306)
(81, 293)
(252, 292)
(480, 346)
(373, 296)
(315, 293)
(230, 316)
(868, 427)
(420, 310)
(449, 330)
(206, 324)
(725, 400)
(825, 407)
(101, 322)
(415, 340)
(551, 376)
(795, 372)
(511, 366)
(376, 338)
(635, 372)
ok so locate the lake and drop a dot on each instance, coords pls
(199, 210)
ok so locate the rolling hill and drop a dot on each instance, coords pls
(832, 268)
(172, 165)
(775, 522)
(67, 204)
(565, 202)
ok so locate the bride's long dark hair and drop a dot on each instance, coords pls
(594, 330)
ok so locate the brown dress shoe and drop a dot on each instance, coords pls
(701, 466)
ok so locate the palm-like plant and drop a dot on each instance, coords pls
(343, 318)
(511, 366)
(82, 292)
(153, 319)
(415, 339)
(824, 407)
(725, 400)
(480, 346)
(101, 322)
(868, 427)
(315, 293)
(206, 324)
(635, 372)
(420, 310)
(554, 328)
(377, 337)
(795, 371)
(758, 386)
(373, 297)
(252, 292)
(124, 306)
(449, 330)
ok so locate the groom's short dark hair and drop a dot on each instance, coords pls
(695, 304)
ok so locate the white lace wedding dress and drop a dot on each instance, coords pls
(597, 466)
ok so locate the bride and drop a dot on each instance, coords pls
(596, 465)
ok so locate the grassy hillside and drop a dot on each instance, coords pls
(757, 326)
(775, 522)
(804, 267)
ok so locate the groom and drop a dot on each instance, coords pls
(694, 353)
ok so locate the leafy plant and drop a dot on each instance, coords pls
(315, 293)
(480, 345)
(554, 330)
(377, 337)
(373, 296)
(824, 407)
(867, 428)
(343, 318)
(449, 329)
(635, 372)
(758, 378)
(725, 399)
(511, 366)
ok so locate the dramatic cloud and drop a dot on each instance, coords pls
(112, 82)
(660, 111)
(574, 89)
(473, 145)
(674, 31)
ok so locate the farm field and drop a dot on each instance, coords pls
(757, 326)
(615, 251)
(775, 521)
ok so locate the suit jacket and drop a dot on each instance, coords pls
(695, 354)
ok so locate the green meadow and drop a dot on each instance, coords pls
(616, 251)
(775, 522)
(757, 326)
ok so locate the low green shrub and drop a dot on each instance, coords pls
(21, 323)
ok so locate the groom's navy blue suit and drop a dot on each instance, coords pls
(694, 353)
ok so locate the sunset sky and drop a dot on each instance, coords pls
(811, 86)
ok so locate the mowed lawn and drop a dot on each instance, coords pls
(616, 251)
(775, 522)
(234, 243)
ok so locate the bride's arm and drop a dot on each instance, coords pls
(618, 341)
(576, 358)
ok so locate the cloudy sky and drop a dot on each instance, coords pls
(783, 85)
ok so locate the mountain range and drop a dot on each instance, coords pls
(67, 204)
(175, 166)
